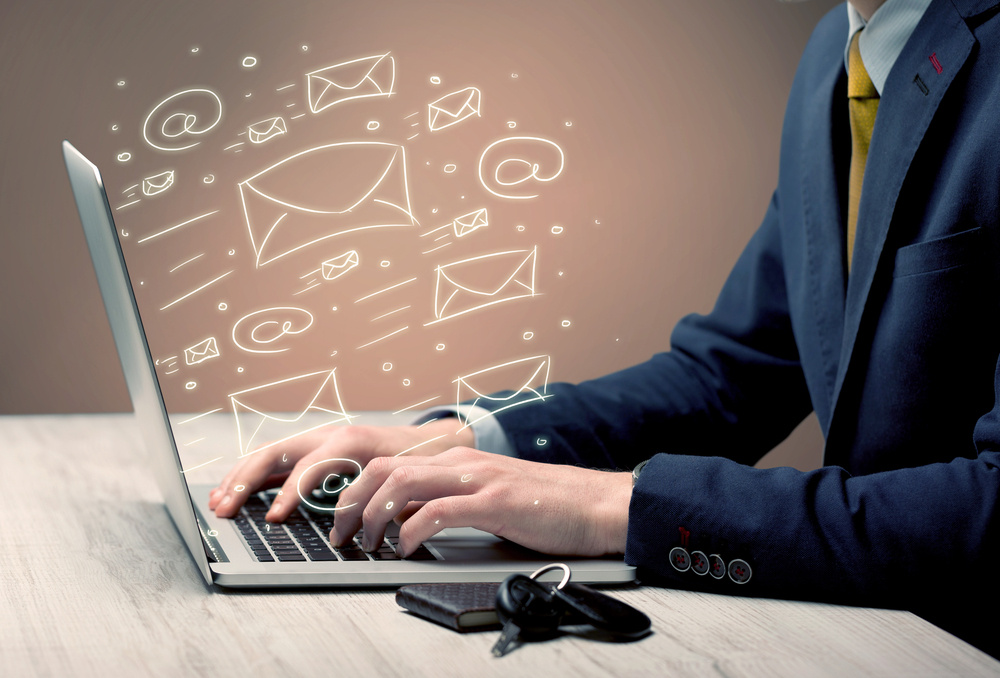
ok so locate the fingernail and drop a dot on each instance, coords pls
(214, 491)
(401, 552)
(366, 543)
(272, 513)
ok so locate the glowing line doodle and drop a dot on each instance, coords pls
(322, 397)
(128, 204)
(385, 337)
(386, 289)
(183, 223)
(124, 156)
(415, 405)
(249, 61)
(265, 130)
(239, 143)
(378, 75)
(453, 108)
(386, 367)
(532, 168)
(450, 168)
(435, 249)
(413, 137)
(390, 313)
(296, 117)
(190, 120)
(199, 416)
(372, 125)
(410, 449)
(411, 115)
(202, 351)
(344, 483)
(201, 465)
(265, 209)
(283, 87)
(526, 393)
(306, 289)
(157, 183)
(130, 188)
(467, 477)
(191, 385)
(337, 266)
(452, 298)
(209, 179)
(286, 327)
(195, 291)
(195, 442)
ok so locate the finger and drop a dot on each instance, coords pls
(408, 510)
(354, 499)
(247, 478)
(472, 510)
(408, 483)
(312, 471)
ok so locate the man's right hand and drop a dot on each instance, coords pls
(296, 464)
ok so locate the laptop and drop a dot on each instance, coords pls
(247, 551)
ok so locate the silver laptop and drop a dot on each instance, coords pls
(248, 552)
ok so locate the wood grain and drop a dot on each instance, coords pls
(95, 581)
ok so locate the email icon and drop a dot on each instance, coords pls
(527, 380)
(467, 223)
(372, 76)
(157, 183)
(338, 266)
(201, 351)
(265, 130)
(453, 108)
(314, 399)
(324, 192)
(472, 284)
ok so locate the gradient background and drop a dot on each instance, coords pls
(668, 112)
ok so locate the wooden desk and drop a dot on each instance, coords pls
(96, 582)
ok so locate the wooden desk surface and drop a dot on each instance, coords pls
(96, 581)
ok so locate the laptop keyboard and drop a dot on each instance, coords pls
(305, 537)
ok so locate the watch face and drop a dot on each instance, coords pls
(637, 470)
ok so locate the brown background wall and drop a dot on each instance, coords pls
(668, 115)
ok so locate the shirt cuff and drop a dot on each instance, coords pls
(488, 434)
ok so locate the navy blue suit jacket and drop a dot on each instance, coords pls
(898, 359)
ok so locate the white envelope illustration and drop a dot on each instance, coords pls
(453, 108)
(467, 223)
(338, 266)
(527, 379)
(201, 351)
(324, 192)
(476, 283)
(372, 76)
(275, 412)
(262, 131)
(157, 183)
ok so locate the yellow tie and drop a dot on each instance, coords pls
(862, 104)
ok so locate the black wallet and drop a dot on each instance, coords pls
(462, 607)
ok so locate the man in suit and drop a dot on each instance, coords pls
(870, 295)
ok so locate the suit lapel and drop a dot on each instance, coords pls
(911, 97)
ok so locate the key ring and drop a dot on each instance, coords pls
(554, 566)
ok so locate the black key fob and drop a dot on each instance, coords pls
(602, 611)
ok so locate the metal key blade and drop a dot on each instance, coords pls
(508, 635)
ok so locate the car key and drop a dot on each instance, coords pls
(600, 611)
(526, 607)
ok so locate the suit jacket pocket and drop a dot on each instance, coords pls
(938, 254)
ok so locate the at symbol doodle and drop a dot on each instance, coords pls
(194, 112)
(266, 326)
(509, 168)
(334, 483)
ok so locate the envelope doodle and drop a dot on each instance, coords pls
(265, 130)
(324, 192)
(202, 351)
(467, 223)
(454, 108)
(157, 183)
(521, 375)
(317, 403)
(472, 284)
(338, 266)
(363, 78)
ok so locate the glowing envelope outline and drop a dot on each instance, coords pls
(453, 108)
(157, 183)
(452, 298)
(523, 394)
(319, 392)
(279, 227)
(265, 130)
(532, 167)
(332, 269)
(345, 483)
(473, 221)
(325, 85)
(202, 351)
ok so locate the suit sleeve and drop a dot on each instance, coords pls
(730, 385)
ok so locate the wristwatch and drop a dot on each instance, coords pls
(637, 470)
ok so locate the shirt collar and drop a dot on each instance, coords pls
(885, 35)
